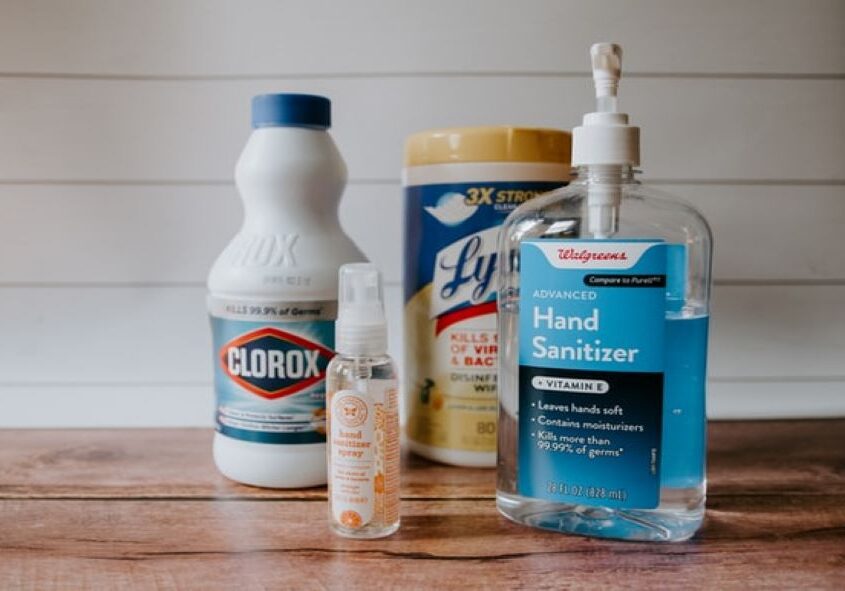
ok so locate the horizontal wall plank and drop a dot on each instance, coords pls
(775, 330)
(116, 336)
(126, 405)
(193, 130)
(776, 399)
(200, 37)
(149, 234)
(160, 335)
(772, 232)
(114, 234)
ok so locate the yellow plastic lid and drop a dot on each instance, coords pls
(488, 144)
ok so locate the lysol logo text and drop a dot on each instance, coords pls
(272, 363)
(464, 271)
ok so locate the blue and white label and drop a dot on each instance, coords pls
(270, 361)
(592, 323)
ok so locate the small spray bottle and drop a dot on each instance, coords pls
(363, 412)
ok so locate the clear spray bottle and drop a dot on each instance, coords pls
(363, 412)
(603, 313)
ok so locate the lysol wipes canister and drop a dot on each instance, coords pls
(460, 185)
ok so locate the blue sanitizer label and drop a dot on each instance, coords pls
(592, 322)
(270, 361)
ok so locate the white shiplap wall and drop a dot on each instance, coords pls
(120, 123)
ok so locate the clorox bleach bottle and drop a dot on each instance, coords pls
(273, 297)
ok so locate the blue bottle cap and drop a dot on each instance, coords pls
(291, 110)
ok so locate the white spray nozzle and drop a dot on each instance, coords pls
(606, 59)
(361, 324)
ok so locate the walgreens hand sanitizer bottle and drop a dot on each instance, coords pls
(603, 312)
(273, 297)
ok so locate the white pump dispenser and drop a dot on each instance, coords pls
(605, 141)
(605, 136)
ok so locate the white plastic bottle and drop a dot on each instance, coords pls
(273, 297)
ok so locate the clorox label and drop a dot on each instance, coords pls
(270, 370)
(274, 363)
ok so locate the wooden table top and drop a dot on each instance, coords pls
(145, 508)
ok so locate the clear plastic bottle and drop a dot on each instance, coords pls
(603, 314)
(363, 413)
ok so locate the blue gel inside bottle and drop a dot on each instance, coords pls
(684, 418)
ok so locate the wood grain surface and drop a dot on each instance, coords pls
(116, 509)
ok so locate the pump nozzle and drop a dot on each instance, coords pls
(605, 137)
(605, 142)
(606, 60)
(361, 324)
